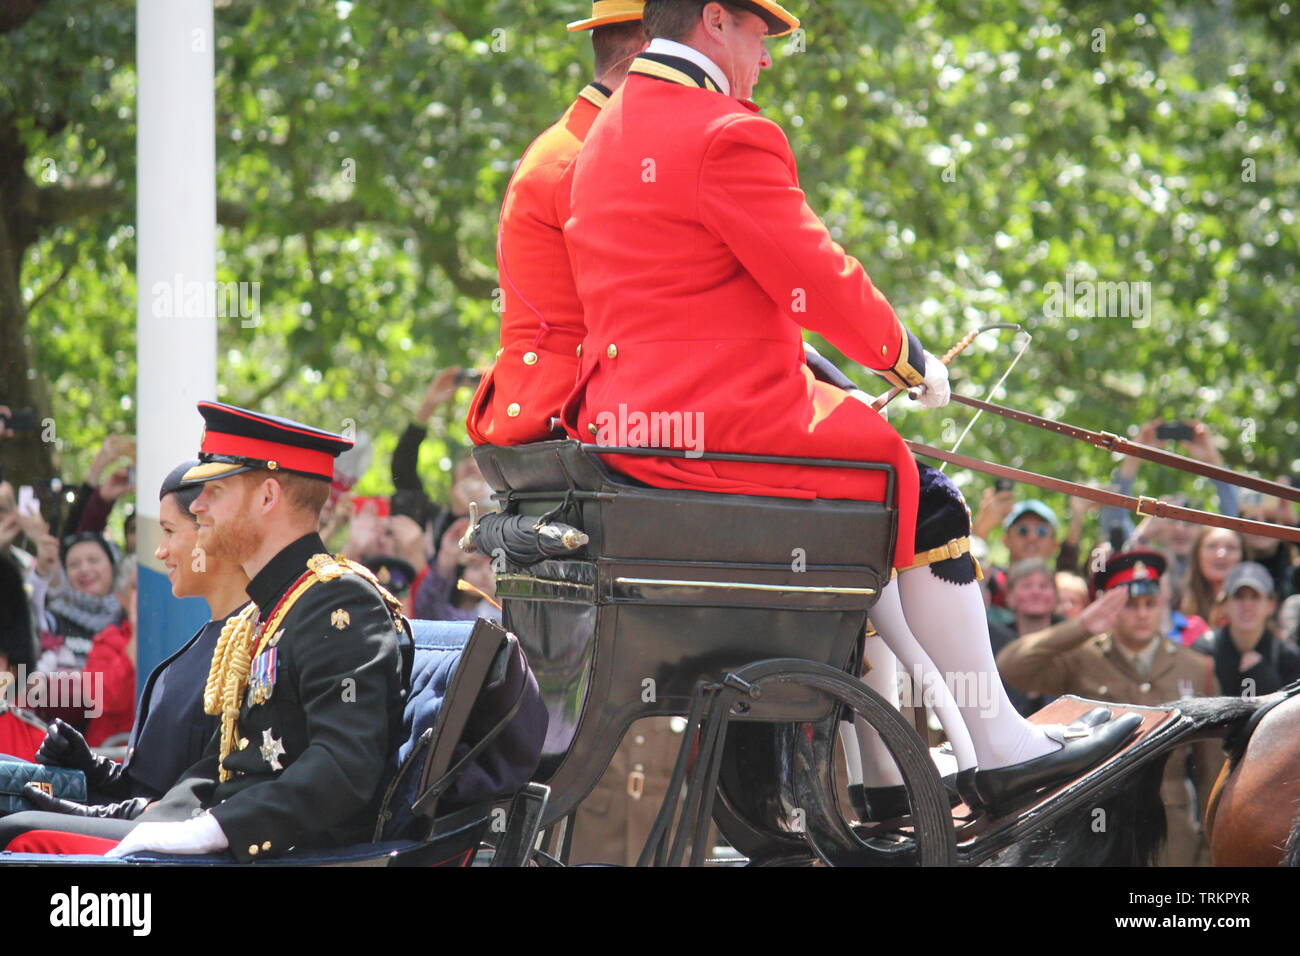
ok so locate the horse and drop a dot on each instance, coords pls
(1251, 814)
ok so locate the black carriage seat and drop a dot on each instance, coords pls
(473, 726)
(673, 587)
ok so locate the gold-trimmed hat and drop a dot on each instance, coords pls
(779, 20)
(236, 440)
(606, 12)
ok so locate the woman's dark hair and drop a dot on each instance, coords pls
(17, 638)
(174, 484)
(72, 540)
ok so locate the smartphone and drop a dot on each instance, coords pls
(27, 503)
(1174, 431)
(469, 376)
(1003, 484)
(23, 420)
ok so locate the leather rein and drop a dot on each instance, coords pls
(1151, 507)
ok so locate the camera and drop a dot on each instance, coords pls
(21, 420)
(1174, 431)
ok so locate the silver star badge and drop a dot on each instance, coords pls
(272, 750)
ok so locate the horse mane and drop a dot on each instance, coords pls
(1292, 855)
(1132, 828)
(1133, 825)
(1229, 714)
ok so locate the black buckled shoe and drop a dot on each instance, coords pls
(1084, 743)
(965, 779)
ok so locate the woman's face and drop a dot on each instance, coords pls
(176, 548)
(89, 569)
(1220, 550)
(1071, 600)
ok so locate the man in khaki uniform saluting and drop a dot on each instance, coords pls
(1114, 651)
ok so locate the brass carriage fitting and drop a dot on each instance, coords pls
(573, 539)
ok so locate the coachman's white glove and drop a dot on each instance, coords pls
(935, 392)
(201, 835)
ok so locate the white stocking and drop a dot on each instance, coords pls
(887, 617)
(949, 621)
(878, 766)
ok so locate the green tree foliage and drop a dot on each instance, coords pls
(970, 153)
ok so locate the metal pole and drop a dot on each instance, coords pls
(175, 272)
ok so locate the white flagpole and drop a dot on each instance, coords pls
(175, 273)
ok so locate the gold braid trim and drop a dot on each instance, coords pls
(228, 676)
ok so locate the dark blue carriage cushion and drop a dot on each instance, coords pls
(507, 763)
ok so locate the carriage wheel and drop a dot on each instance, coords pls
(778, 795)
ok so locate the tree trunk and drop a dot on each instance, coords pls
(26, 457)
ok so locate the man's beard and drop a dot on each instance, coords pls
(235, 541)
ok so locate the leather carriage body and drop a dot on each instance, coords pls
(675, 585)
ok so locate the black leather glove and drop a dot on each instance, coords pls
(64, 746)
(126, 810)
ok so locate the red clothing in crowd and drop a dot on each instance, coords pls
(21, 734)
(108, 657)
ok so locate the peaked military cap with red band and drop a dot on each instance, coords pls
(236, 440)
(1139, 570)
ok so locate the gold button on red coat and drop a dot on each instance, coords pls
(612, 351)
(252, 849)
(513, 409)
(592, 429)
(579, 350)
(530, 358)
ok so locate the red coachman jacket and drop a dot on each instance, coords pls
(697, 263)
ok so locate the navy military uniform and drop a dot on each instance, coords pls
(316, 739)
(303, 760)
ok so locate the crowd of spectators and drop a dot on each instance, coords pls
(1197, 603)
(67, 596)
(1231, 601)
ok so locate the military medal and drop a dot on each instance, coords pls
(272, 750)
(340, 618)
(261, 676)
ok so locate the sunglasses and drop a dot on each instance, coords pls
(1038, 530)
